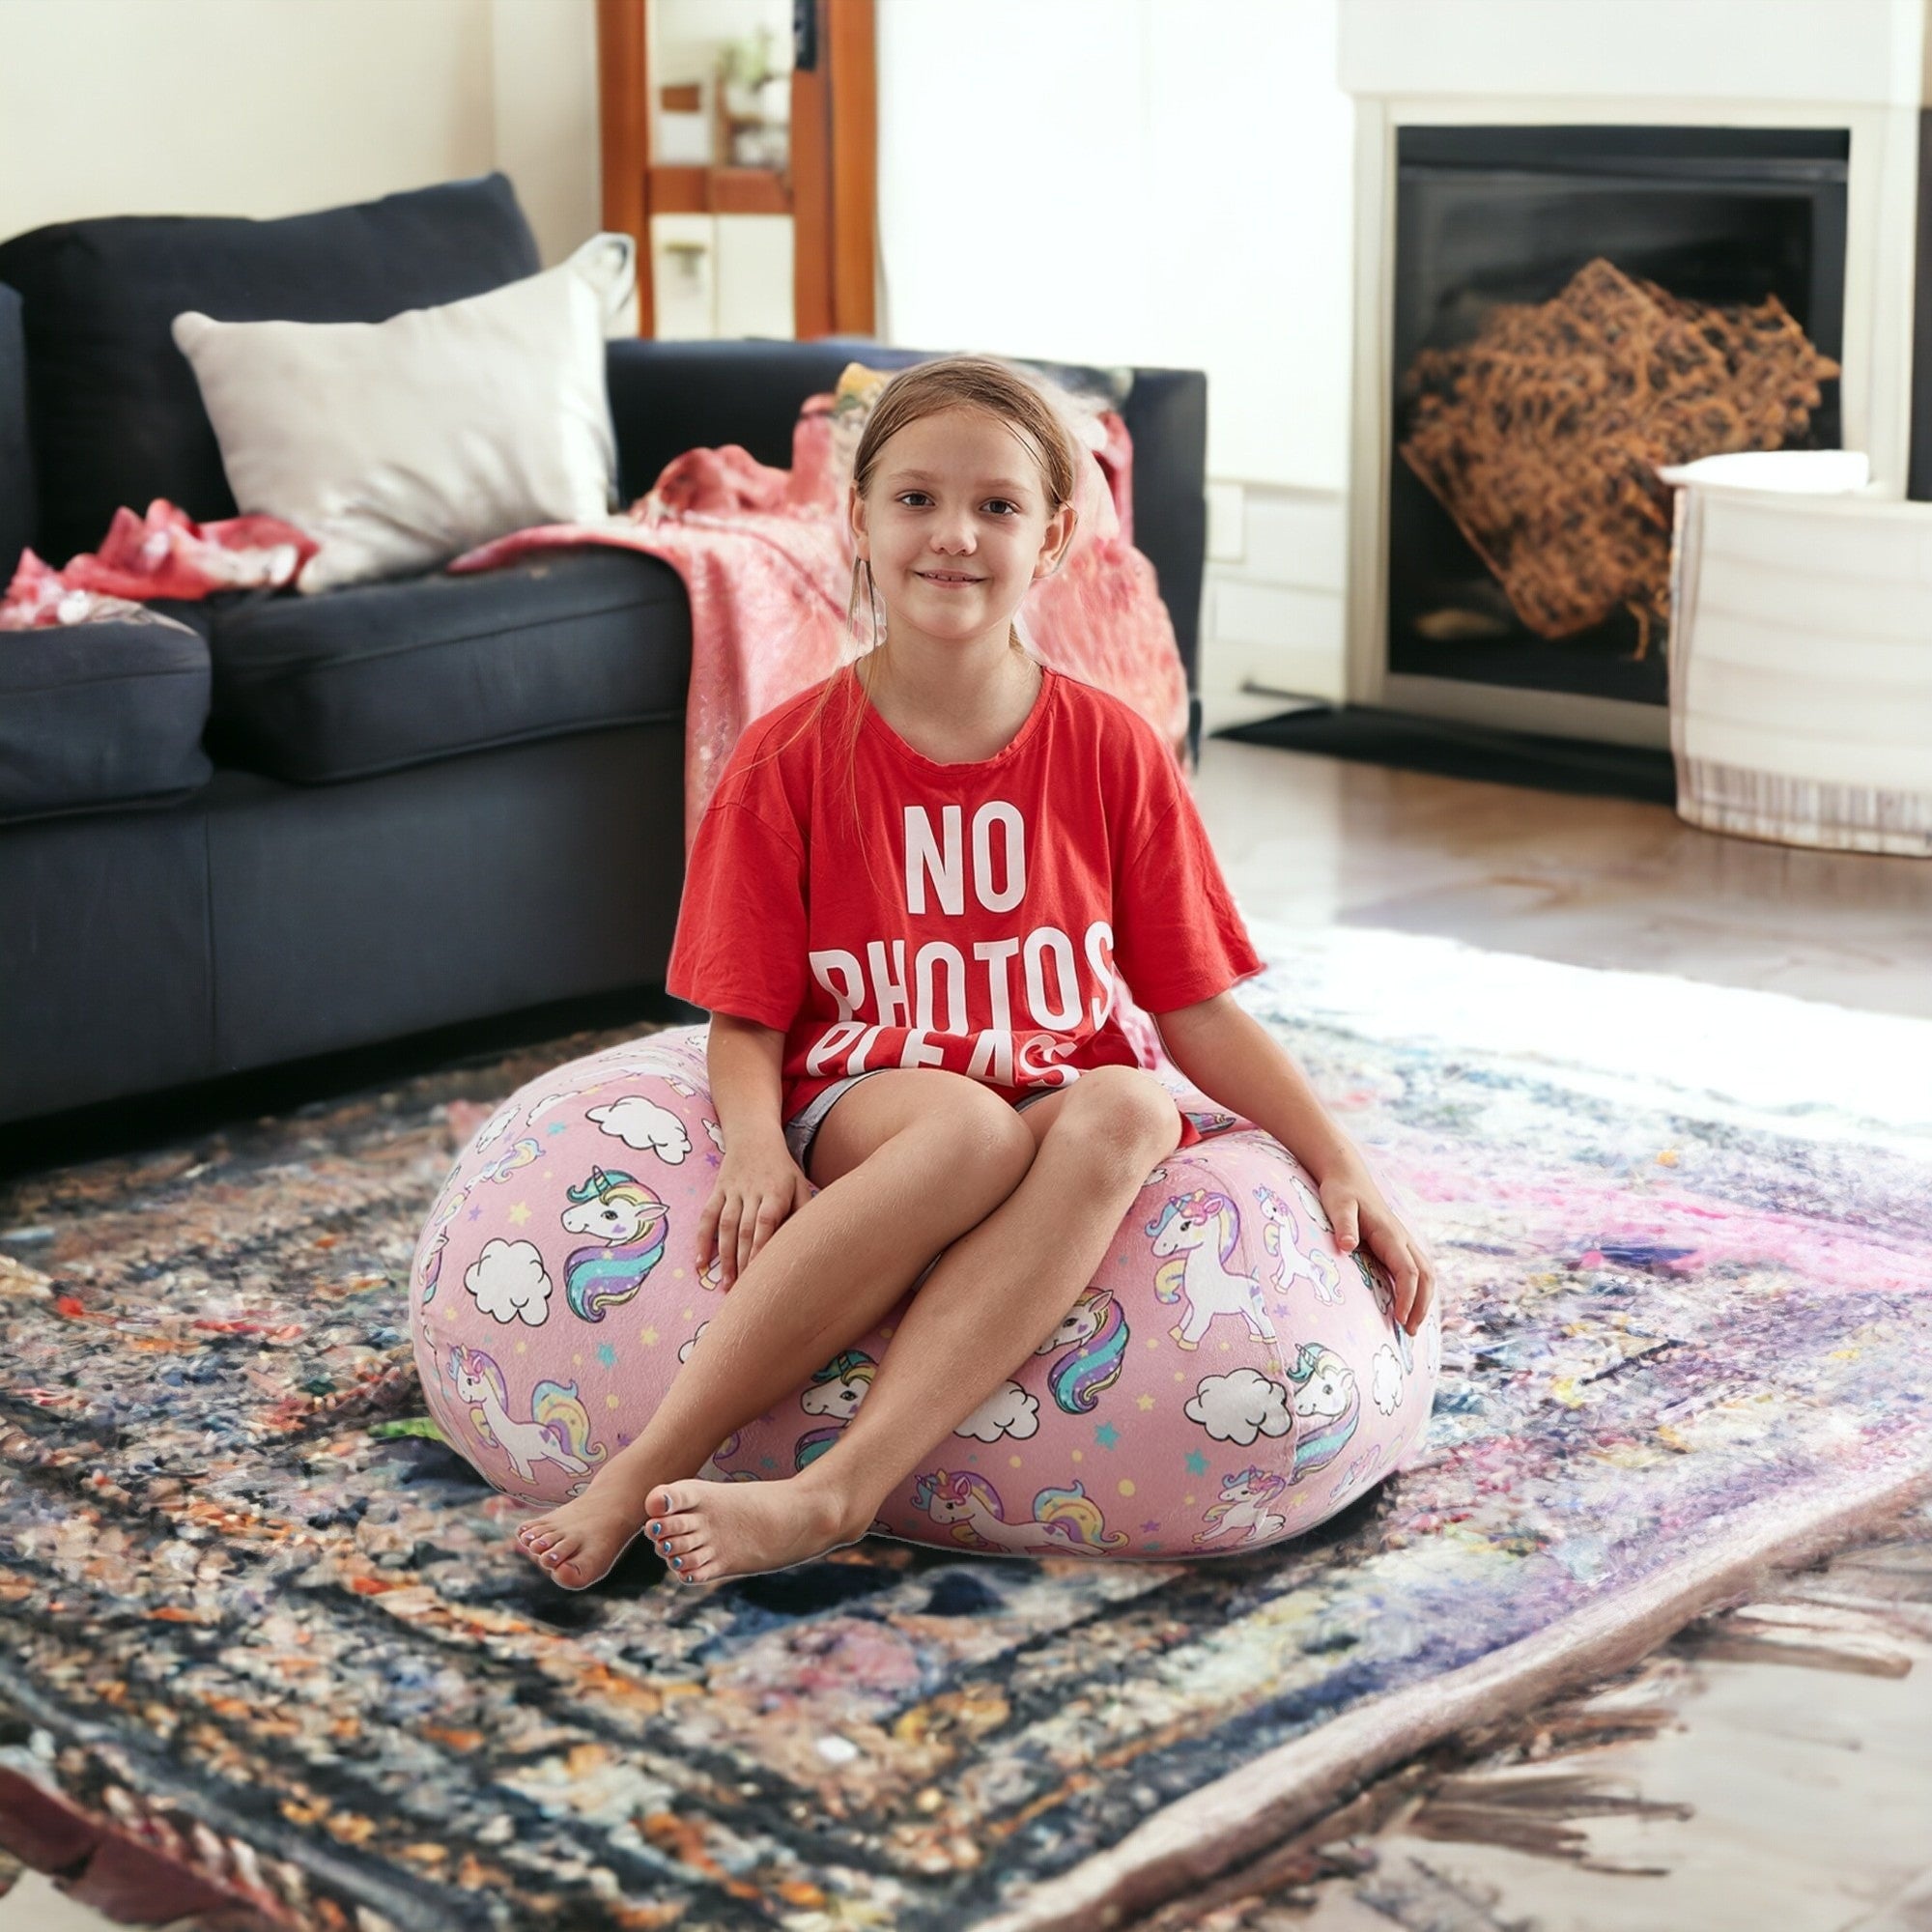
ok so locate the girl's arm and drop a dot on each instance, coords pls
(758, 1183)
(1228, 1053)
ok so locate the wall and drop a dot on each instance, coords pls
(1104, 180)
(545, 113)
(1153, 181)
(266, 107)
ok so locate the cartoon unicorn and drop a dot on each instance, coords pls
(1061, 1519)
(1310, 1203)
(1244, 1506)
(1384, 1293)
(1316, 1269)
(430, 1271)
(1362, 1471)
(1327, 1405)
(712, 1471)
(1096, 1333)
(519, 1153)
(559, 1430)
(1201, 1273)
(837, 1390)
(631, 1222)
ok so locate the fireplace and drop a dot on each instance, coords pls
(1627, 204)
(1570, 304)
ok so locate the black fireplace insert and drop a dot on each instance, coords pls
(1567, 298)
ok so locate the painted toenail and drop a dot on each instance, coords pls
(655, 1528)
(677, 1562)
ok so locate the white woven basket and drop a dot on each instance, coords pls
(1800, 667)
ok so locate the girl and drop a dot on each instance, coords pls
(904, 911)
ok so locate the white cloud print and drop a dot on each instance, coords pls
(509, 1283)
(642, 1124)
(1385, 1379)
(1010, 1410)
(496, 1127)
(1238, 1407)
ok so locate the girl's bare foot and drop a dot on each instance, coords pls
(713, 1530)
(576, 1543)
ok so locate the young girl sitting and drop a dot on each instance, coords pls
(904, 910)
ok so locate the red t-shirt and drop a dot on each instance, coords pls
(980, 922)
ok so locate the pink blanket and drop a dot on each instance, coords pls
(767, 564)
(165, 553)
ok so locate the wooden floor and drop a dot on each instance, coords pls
(1770, 1768)
(1590, 881)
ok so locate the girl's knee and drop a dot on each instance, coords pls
(1120, 1116)
(978, 1148)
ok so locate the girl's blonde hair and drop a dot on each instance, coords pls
(927, 390)
(973, 383)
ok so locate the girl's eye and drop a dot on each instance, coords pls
(1001, 503)
(907, 495)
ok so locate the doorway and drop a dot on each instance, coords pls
(740, 152)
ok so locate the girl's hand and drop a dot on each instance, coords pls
(758, 1186)
(1357, 1212)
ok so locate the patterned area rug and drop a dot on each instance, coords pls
(264, 1636)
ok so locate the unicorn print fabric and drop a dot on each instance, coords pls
(1225, 1382)
(1005, 920)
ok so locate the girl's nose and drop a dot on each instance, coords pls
(953, 535)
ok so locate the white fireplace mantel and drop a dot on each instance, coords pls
(1854, 52)
(1860, 64)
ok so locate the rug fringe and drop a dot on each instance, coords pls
(1241, 1815)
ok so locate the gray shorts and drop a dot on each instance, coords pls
(801, 1130)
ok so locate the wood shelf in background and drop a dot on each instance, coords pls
(689, 190)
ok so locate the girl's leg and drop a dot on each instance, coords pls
(919, 1155)
(997, 1292)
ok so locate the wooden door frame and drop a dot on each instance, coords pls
(833, 175)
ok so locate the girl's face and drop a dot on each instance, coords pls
(956, 525)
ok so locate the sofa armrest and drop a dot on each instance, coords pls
(1166, 413)
(18, 497)
(668, 397)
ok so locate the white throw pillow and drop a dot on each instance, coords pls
(399, 445)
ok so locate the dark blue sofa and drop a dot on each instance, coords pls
(315, 823)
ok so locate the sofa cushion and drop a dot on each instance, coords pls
(379, 676)
(100, 714)
(117, 418)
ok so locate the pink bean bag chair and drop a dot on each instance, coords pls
(1225, 1382)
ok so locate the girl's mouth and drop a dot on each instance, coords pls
(946, 579)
